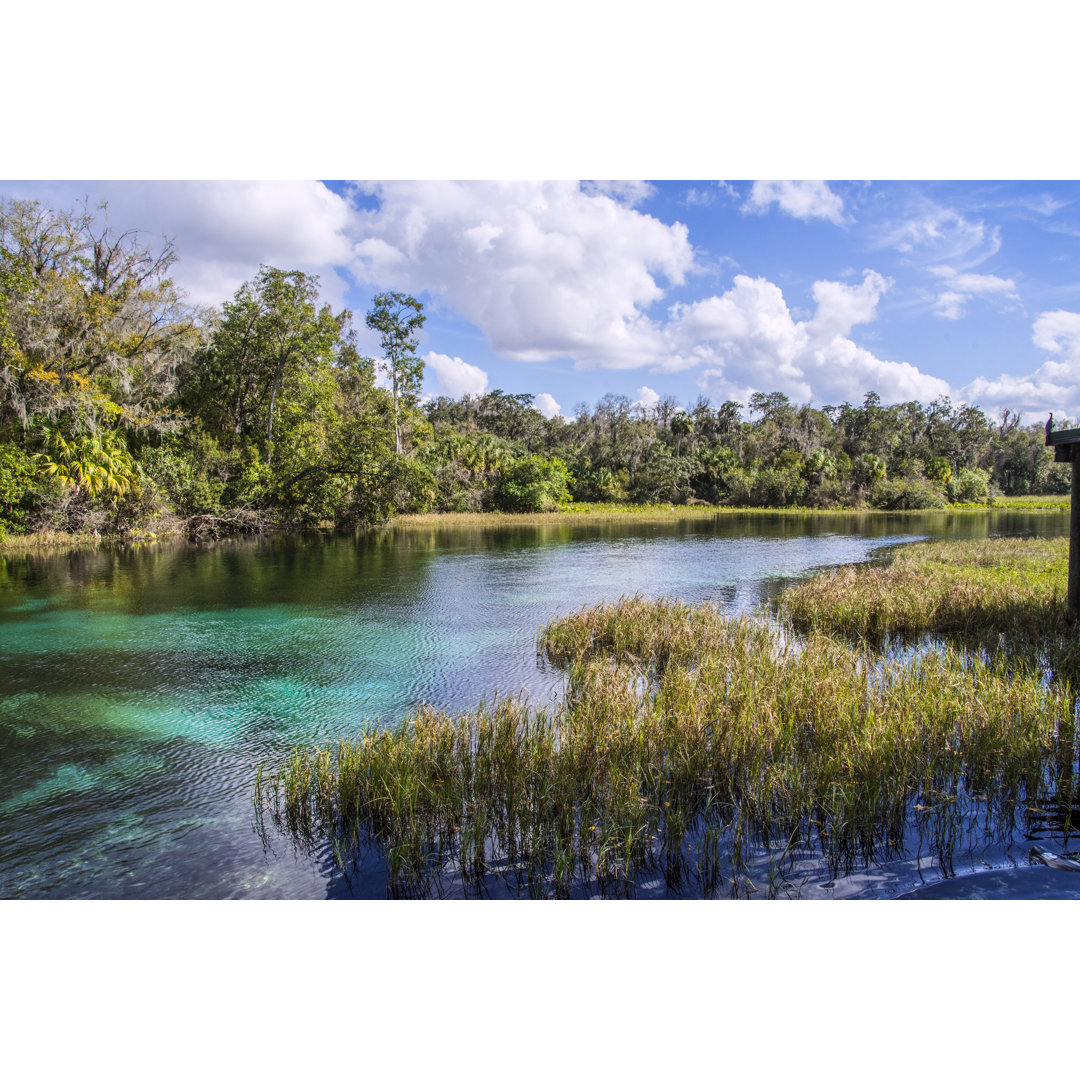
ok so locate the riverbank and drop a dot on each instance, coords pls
(56, 542)
(721, 755)
(1051, 504)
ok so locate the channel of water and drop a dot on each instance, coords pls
(141, 688)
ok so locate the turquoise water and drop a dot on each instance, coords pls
(141, 689)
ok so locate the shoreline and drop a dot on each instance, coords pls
(1047, 504)
(54, 543)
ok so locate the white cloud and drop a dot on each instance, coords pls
(646, 399)
(454, 376)
(951, 304)
(547, 405)
(223, 229)
(1057, 332)
(840, 306)
(700, 197)
(630, 192)
(930, 233)
(748, 340)
(1052, 387)
(979, 284)
(708, 195)
(804, 199)
(544, 269)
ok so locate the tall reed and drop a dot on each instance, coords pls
(1005, 597)
(689, 747)
(1008, 586)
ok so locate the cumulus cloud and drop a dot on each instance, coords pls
(804, 199)
(544, 269)
(546, 404)
(550, 270)
(1052, 387)
(454, 377)
(646, 398)
(223, 229)
(748, 339)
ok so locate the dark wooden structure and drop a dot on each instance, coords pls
(1066, 446)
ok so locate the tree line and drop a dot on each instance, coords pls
(125, 410)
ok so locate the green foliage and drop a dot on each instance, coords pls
(532, 484)
(190, 471)
(392, 484)
(91, 326)
(916, 493)
(869, 470)
(97, 462)
(972, 485)
(265, 377)
(18, 475)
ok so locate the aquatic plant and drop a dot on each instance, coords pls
(709, 753)
(1003, 585)
(1002, 597)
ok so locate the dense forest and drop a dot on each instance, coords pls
(123, 410)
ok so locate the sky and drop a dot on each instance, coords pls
(567, 290)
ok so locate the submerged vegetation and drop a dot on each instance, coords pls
(705, 754)
(125, 411)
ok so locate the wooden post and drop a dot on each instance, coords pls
(1072, 606)
(1066, 446)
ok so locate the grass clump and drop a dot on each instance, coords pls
(705, 752)
(1004, 596)
(47, 540)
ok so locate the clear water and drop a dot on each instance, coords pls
(141, 689)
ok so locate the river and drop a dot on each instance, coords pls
(141, 688)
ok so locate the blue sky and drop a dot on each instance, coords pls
(569, 290)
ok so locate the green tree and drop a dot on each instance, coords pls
(398, 318)
(272, 352)
(88, 318)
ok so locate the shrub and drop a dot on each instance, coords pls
(971, 485)
(18, 480)
(912, 494)
(532, 484)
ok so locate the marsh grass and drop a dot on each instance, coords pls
(48, 540)
(1031, 502)
(602, 512)
(1007, 586)
(688, 746)
(1002, 597)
